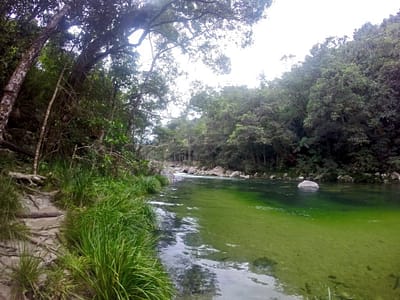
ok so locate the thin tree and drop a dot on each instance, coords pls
(44, 124)
(11, 90)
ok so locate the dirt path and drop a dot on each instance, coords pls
(43, 220)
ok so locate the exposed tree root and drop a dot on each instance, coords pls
(40, 215)
(30, 178)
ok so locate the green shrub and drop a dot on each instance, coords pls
(109, 235)
(151, 184)
(25, 276)
(76, 188)
(113, 251)
(13, 229)
(9, 202)
(7, 160)
(162, 179)
(59, 284)
(10, 205)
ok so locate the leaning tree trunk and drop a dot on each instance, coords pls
(13, 86)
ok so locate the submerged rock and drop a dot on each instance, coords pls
(264, 265)
(309, 186)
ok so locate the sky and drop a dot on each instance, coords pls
(291, 27)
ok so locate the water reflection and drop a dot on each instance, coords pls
(197, 282)
(223, 239)
(196, 276)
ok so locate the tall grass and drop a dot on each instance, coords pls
(10, 205)
(58, 285)
(76, 187)
(82, 187)
(25, 276)
(109, 235)
(111, 242)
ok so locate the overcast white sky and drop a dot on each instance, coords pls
(293, 27)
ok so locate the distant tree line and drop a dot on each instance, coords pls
(337, 112)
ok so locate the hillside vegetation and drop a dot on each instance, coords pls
(338, 112)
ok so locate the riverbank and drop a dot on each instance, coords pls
(101, 244)
(31, 243)
(171, 168)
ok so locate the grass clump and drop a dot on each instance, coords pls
(109, 237)
(10, 205)
(59, 284)
(25, 277)
(76, 187)
(162, 179)
(114, 252)
(9, 202)
(149, 184)
(111, 243)
(109, 233)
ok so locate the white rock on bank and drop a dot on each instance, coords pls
(395, 176)
(235, 174)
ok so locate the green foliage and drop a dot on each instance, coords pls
(112, 245)
(10, 205)
(7, 161)
(25, 276)
(76, 187)
(162, 179)
(109, 233)
(337, 111)
(15, 37)
(58, 285)
(151, 184)
(105, 101)
(395, 162)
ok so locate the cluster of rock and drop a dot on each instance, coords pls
(217, 171)
(221, 172)
(368, 177)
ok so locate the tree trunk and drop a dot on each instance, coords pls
(265, 156)
(44, 125)
(13, 86)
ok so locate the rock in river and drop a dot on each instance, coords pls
(309, 186)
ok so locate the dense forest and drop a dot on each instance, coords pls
(335, 113)
(75, 64)
(86, 94)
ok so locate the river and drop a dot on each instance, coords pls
(262, 239)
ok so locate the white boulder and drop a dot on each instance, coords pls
(308, 186)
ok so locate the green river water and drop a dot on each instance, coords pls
(253, 239)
